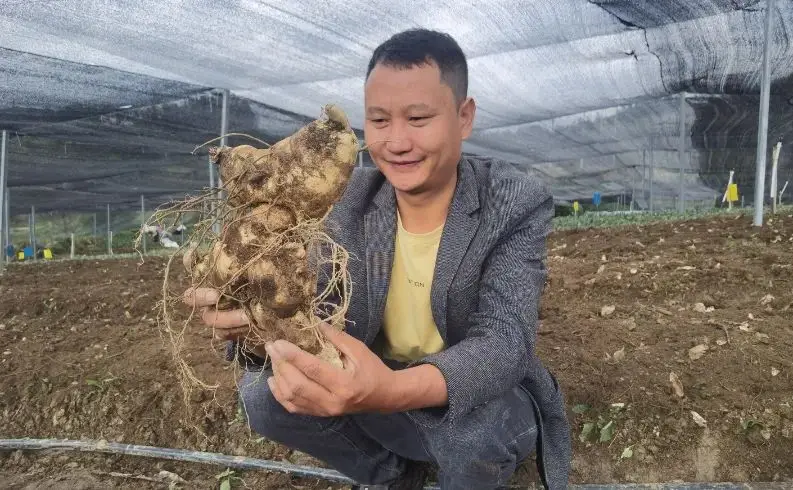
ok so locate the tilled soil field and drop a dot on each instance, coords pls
(672, 342)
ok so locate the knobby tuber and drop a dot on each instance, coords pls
(268, 257)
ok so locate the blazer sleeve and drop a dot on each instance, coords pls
(494, 356)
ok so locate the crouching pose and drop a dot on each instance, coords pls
(447, 267)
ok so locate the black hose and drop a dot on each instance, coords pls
(240, 462)
(243, 462)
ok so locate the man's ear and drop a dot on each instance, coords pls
(466, 116)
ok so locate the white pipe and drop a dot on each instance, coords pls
(762, 128)
(681, 152)
(224, 117)
(3, 214)
(243, 462)
(143, 222)
(240, 462)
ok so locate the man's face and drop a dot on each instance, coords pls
(414, 129)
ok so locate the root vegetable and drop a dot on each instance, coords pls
(266, 259)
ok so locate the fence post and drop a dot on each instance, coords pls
(762, 126)
(143, 223)
(33, 230)
(109, 233)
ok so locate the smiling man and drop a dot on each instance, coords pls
(439, 352)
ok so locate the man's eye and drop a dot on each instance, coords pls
(419, 118)
(377, 121)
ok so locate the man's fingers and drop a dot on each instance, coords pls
(346, 343)
(305, 397)
(297, 388)
(200, 297)
(278, 395)
(226, 319)
(312, 367)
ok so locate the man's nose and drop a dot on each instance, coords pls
(398, 140)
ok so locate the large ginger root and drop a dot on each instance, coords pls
(276, 200)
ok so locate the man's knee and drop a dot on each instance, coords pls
(488, 442)
(266, 416)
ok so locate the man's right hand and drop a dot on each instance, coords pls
(225, 324)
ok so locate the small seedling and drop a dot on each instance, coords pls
(226, 477)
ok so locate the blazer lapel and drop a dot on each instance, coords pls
(460, 228)
(380, 232)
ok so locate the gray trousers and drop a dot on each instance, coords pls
(480, 451)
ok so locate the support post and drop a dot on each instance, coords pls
(224, 117)
(3, 215)
(94, 225)
(211, 173)
(33, 230)
(644, 175)
(652, 168)
(6, 231)
(762, 128)
(71, 251)
(142, 223)
(109, 233)
(681, 152)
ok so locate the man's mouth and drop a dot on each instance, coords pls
(405, 163)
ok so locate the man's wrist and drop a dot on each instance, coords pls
(414, 388)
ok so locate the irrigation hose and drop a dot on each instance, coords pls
(239, 462)
(243, 462)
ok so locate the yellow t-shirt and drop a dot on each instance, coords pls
(409, 330)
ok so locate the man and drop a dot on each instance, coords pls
(447, 270)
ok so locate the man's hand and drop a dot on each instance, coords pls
(306, 384)
(227, 324)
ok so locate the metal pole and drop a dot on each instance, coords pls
(681, 151)
(360, 159)
(6, 232)
(143, 222)
(762, 129)
(3, 216)
(94, 225)
(33, 230)
(211, 173)
(652, 168)
(644, 175)
(109, 233)
(210, 206)
(224, 117)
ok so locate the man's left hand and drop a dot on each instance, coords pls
(305, 384)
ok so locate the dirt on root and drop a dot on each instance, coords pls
(709, 300)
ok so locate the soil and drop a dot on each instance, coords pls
(708, 300)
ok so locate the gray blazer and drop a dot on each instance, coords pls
(489, 276)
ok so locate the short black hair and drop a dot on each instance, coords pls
(415, 47)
